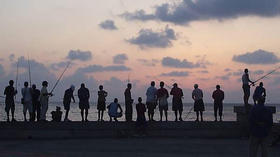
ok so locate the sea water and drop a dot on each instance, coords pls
(188, 114)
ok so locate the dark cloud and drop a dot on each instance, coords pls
(120, 59)
(186, 11)
(2, 71)
(56, 66)
(148, 38)
(176, 74)
(224, 77)
(79, 55)
(176, 63)
(203, 71)
(257, 57)
(227, 70)
(258, 72)
(150, 63)
(108, 25)
(239, 72)
(100, 68)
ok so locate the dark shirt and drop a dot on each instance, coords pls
(127, 95)
(260, 119)
(83, 94)
(68, 95)
(218, 95)
(102, 96)
(35, 95)
(10, 93)
(259, 91)
(177, 93)
(141, 109)
(56, 116)
(162, 92)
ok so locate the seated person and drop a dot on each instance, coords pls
(56, 115)
(113, 110)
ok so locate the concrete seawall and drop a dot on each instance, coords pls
(79, 130)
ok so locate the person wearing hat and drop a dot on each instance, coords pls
(44, 100)
(197, 96)
(68, 95)
(177, 104)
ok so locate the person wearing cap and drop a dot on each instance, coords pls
(44, 100)
(197, 96)
(246, 87)
(83, 94)
(101, 102)
(177, 104)
(218, 96)
(162, 96)
(259, 92)
(68, 95)
(10, 93)
(260, 120)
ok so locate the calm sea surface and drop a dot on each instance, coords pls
(74, 114)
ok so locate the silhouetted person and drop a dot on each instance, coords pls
(177, 104)
(68, 95)
(101, 103)
(83, 94)
(128, 103)
(246, 87)
(27, 101)
(113, 110)
(10, 92)
(151, 100)
(260, 119)
(197, 96)
(259, 92)
(44, 100)
(218, 96)
(141, 119)
(162, 96)
(56, 115)
(36, 103)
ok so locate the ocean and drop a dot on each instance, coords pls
(74, 114)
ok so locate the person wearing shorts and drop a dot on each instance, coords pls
(197, 96)
(68, 95)
(83, 94)
(162, 96)
(10, 92)
(151, 94)
(101, 103)
(177, 104)
(27, 101)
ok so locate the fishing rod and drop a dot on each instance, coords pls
(29, 71)
(60, 77)
(264, 76)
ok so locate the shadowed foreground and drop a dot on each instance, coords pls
(129, 147)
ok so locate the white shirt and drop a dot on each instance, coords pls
(197, 94)
(26, 94)
(151, 94)
(44, 99)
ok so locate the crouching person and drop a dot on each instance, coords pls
(113, 110)
(141, 119)
(56, 115)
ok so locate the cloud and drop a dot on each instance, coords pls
(203, 71)
(258, 72)
(108, 25)
(176, 74)
(56, 66)
(150, 63)
(79, 55)
(224, 77)
(2, 71)
(100, 68)
(147, 38)
(227, 70)
(120, 58)
(176, 63)
(257, 57)
(239, 72)
(12, 57)
(187, 11)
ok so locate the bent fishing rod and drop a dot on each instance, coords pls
(264, 76)
(60, 77)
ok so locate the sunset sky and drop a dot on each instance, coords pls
(207, 42)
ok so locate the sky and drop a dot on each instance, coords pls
(119, 41)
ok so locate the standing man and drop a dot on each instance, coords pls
(259, 92)
(177, 104)
(101, 103)
(83, 94)
(162, 96)
(128, 103)
(218, 96)
(36, 103)
(68, 95)
(260, 120)
(197, 96)
(44, 100)
(27, 101)
(151, 101)
(246, 87)
(10, 92)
